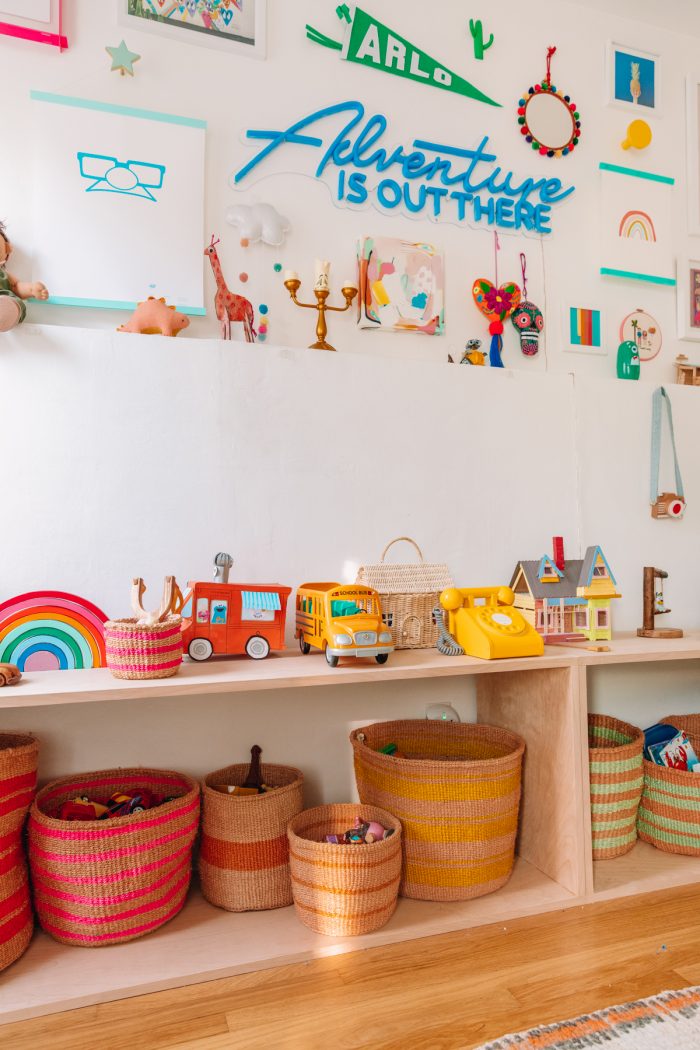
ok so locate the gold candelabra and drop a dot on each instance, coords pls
(292, 283)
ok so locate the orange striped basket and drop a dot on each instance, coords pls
(343, 891)
(669, 813)
(615, 764)
(19, 754)
(456, 790)
(103, 882)
(244, 857)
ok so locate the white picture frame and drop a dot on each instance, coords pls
(597, 347)
(619, 79)
(688, 279)
(692, 153)
(253, 46)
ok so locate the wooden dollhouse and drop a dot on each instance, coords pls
(567, 600)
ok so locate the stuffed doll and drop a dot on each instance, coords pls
(14, 292)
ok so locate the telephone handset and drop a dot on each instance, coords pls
(483, 622)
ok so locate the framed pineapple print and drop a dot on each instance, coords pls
(633, 79)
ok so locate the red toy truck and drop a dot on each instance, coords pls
(227, 619)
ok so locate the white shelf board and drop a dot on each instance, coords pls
(241, 674)
(204, 943)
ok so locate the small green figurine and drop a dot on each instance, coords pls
(628, 363)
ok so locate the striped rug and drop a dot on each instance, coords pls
(670, 1021)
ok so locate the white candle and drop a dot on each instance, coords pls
(349, 282)
(291, 275)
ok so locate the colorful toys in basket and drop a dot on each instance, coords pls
(665, 745)
(120, 804)
(482, 622)
(228, 619)
(81, 808)
(363, 832)
(342, 621)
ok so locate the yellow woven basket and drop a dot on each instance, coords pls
(456, 792)
(343, 891)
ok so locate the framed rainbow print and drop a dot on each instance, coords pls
(636, 209)
(228, 25)
(40, 21)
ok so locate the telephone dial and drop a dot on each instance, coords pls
(483, 622)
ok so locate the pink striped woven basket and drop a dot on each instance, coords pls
(18, 761)
(108, 881)
(137, 651)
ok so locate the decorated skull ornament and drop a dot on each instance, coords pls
(529, 322)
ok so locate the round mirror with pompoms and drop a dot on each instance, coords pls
(549, 120)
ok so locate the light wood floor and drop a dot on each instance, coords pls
(451, 992)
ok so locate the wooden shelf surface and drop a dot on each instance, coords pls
(204, 943)
(643, 870)
(241, 674)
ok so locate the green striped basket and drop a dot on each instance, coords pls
(615, 764)
(669, 813)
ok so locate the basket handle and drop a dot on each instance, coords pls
(169, 599)
(402, 539)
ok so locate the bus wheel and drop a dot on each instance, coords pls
(331, 658)
(304, 646)
(257, 648)
(200, 649)
(381, 658)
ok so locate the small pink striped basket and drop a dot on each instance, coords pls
(136, 650)
(103, 882)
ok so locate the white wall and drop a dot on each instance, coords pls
(298, 76)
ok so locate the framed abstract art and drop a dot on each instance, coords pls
(228, 25)
(689, 299)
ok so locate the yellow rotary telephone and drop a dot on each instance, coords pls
(484, 623)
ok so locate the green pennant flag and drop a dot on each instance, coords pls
(370, 43)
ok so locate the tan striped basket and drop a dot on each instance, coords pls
(343, 891)
(615, 763)
(244, 856)
(103, 882)
(457, 795)
(138, 651)
(408, 594)
(669, 813)
(19, 754)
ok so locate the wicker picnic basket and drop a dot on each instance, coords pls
(456, 790)
(615, 762)
(244, 857)
(18, 762)
(669, 812)
(103, 882)
(343, 891)
(408, 594)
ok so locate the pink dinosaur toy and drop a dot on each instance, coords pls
(155, 317)
(229, 307)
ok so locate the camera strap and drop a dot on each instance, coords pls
(659, 399)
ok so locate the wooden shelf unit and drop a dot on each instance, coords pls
(544, 699)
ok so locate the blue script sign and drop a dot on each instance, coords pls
(450, 183)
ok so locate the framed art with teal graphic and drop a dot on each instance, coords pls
(633, 79)
(228, 25)
(583, 331)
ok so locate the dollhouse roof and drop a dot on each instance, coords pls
(577, 573)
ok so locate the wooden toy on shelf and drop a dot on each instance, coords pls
(687, 374)
(654, 606)
(155, 317)
(9, 674)
(566, 600)
(482, 622)
(229, 619)
(292, 283)
(342, 621)
(229, 306)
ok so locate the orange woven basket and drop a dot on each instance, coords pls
(343, 891)
(669, 812)
(103, 882)
(456, 792)
(244, 856)
(19, 754)
(616, 774)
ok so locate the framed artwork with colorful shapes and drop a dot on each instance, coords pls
(228, 25)
(689, 300)
(402, 286)
(633, 79)
(583, 331)
(644, 331)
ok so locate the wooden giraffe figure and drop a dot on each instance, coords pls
(229, 306)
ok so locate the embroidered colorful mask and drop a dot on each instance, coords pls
(529, 322)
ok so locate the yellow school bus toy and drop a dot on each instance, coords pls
(342, 621)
